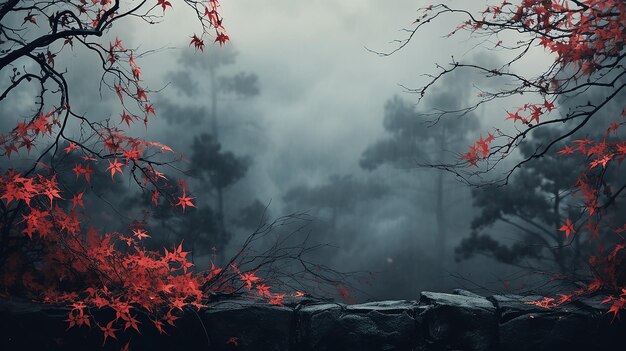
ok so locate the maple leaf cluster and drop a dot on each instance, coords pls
(90, 270)
(478, 151)
(212, 15)
(259, 287)
(25, 135)
(534, 112)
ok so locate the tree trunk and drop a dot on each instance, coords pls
(214, 129)
(560, 259)
(221, 226)
(440, 216)
(440, 213)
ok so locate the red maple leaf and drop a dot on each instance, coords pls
(164, 4)
(77, 200)
(535, 114)
(28, 143)
(131, 322)
(10, 148)
(263, 290)
(618, 304)
(197, 42)
(86, 171)
(568, 228)
(108, 331)
(249, 278)
(70, 148)
(141, 94)
(140, 234)
(221, 38)
(155, 197)
(184, 201)
(169, 318)
(149, 109)
(566, 151)
(276, 299)
(127, 118)
(115, 167)
(515, 117)
(159, 326)
(136, 72)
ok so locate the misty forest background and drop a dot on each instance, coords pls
(295, 115)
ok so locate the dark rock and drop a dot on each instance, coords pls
(457, 322)
(512, 306)
(460, 321)
(580, 325)
(245, 325)
(385, 325)
(21, 324)
(593, 304)
(464, 292)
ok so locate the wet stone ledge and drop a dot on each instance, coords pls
(437, 321)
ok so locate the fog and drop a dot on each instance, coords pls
(318, 116)
(308, 120)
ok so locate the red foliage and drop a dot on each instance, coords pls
(78, 265)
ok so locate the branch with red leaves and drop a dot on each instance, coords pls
(48, 250)
(584, 43)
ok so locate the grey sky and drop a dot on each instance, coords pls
(322, 91)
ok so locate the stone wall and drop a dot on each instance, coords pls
(459, 321)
